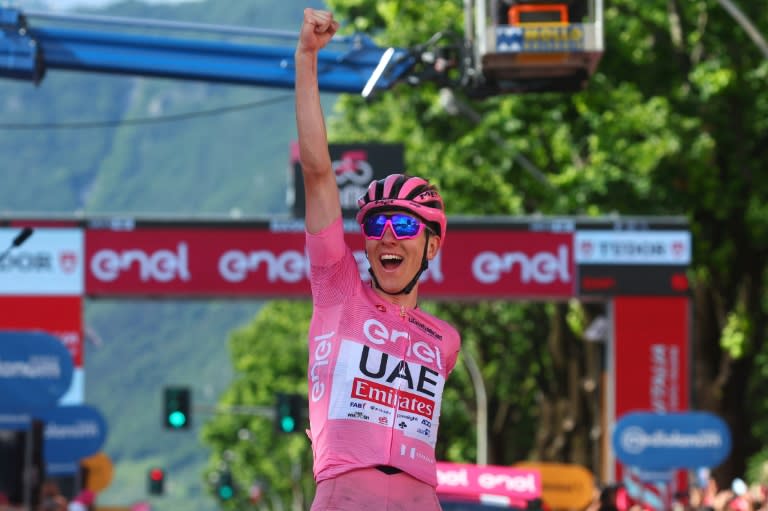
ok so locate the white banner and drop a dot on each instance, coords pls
(633, 247)
(49, 262)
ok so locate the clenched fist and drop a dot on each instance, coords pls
(317, 29)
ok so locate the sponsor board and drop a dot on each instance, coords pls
(649, 359)
(35, 369)
(645, 248)
(618, 280)
(552, 38)
(100, 472)
(651, 356)
(563, 486)
(502, 263)
(461, 479)
(647, 487)
(263, 263)
(50, 262)
(72, 433)
(60, 316)
(662, 441)
(385, 389)
(76, 391)
(13, 418)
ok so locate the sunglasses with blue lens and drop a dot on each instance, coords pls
(404, 226)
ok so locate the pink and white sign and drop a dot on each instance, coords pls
(478, 482)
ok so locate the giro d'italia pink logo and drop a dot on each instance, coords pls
(586, 248)
(68, 261)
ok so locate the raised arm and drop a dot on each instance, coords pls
(320, 190)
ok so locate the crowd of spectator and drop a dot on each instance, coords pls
(710, 497)
(51, 498)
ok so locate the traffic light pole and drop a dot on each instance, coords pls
(268, 412)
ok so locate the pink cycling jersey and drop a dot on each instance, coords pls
(376, 372)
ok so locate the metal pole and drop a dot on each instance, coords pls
(125, 21)
(746, 24)
(481, 23)
(29, 468)
(252, 410)
(482, 407)
(296, 490)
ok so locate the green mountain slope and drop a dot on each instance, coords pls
(204, 165)
(196, 165)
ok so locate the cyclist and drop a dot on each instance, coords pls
(377, 363)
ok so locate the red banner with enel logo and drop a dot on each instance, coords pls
(260, 262)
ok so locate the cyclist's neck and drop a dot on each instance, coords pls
(403, 302)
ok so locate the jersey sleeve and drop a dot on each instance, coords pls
(453, 355)
(333, 273)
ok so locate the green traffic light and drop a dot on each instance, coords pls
(177, 408)
(288, 424)
(177, 419)
(226, 492)
(225, 486)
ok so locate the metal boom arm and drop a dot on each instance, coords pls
(28, 52)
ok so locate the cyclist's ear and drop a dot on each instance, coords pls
(433, 246)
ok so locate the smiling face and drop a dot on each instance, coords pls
(396, 261)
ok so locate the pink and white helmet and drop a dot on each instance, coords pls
(409, 193)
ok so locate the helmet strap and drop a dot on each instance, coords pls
(409, 287)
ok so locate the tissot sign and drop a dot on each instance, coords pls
(264, 261)
(632, 262)
(633, 248)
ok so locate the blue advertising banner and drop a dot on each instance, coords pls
(14, 420)
(665, 441)
(35, 369)
(72, 433)
(53, 468)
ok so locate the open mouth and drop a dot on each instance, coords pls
(390, 261)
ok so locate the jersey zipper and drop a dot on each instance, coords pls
(406, 349)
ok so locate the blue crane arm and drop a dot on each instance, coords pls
(28, 52)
